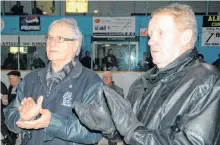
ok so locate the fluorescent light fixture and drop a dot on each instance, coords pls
(14, 50)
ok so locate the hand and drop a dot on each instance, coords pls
(29, 109)
(95, 116)
(124, 118)
(42, 122)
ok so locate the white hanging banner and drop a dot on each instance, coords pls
(211, 31)
(113, 27)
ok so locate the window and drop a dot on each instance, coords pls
(16, 7)
(115, 57)
(31, 53)
(76, 6)
(45, 7)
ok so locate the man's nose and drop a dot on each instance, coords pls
(151, 41)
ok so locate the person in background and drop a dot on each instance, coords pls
(42, 110)
(9, 61)
(14, 78)
(146, 62)
(108, 81)
(37, 61)
(17, 9)
(110, 60)
(176, 102)
(201, 57)
(217, 62)
(86, 60)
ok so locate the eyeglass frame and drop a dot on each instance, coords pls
(105, 77)
(64, 39)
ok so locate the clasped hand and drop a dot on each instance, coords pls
(28, 112)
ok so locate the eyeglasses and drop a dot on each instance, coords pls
(57, 39)
(106, 77)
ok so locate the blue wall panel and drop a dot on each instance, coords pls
(85, 25)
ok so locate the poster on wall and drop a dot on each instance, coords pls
(211, 31)
(104, 27)
(29, 23)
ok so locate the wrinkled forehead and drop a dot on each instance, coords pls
(107, 74)
(60, 29)
(13, 77)
(162, 21)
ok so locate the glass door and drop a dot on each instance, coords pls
(115, 56)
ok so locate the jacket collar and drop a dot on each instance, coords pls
(178, 64)
(76, 71)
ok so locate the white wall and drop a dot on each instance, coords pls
(122, 79)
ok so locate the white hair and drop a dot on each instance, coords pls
(72, 24)
(183, 16)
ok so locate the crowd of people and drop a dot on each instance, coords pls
(175, 101)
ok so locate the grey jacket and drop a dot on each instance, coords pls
(65, 128)
(178, 105)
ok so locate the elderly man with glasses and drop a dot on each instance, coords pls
(42, 109)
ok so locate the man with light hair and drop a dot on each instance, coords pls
(176, 102)
(42, 110)
(108, 81)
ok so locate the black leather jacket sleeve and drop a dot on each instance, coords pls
(200, 126)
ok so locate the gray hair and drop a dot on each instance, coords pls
(72, 24)
(183, 16)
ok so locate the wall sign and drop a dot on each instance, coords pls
(29, 23)
(25, 40)
(211, 31)
(113, 27)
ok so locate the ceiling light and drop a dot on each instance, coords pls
(96, 11)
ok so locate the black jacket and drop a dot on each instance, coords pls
(179, 104)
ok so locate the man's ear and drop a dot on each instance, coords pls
(76, 44)
(186, 36)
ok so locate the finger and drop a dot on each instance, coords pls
(23, 101)
(40, 101)
(31, 124)
(43, 111)
(30, 103)
(21, 124)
